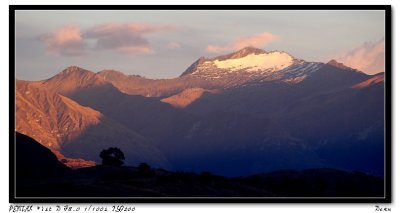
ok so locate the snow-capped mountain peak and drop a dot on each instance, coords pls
(252, 65)
(248, 59)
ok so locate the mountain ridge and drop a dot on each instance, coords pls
(71, 79)
(203, 73)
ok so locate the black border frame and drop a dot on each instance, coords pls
(388, 104)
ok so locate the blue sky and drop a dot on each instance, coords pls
(162, 44)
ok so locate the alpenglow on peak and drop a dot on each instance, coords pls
(248, 59)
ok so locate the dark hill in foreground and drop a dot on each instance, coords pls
(36, 161)
(103, 181)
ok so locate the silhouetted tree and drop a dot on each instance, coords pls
(112, 156)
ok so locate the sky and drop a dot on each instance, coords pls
(162, 44)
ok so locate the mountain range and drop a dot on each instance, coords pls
(247, 112)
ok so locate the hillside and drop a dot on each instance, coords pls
(76, 132)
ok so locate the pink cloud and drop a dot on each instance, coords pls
(136, 28)
(64, 41)
(239, 43)
(128, 38)
(369, 57)
(173, 45)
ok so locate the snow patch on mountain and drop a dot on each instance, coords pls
(257, 62)
(298, 72)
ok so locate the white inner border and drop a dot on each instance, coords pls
(326, 208)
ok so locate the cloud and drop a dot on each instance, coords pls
(239, 43)
(64, 41)
(136, 28)
(369, 57)
(173, 45)
(124, 38)
(128, 38)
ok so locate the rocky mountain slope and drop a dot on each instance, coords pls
(72, 130)
(50, 117)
